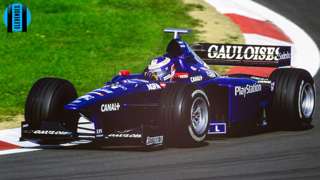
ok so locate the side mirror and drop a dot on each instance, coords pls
(124, 73)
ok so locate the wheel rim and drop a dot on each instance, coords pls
(307, 100)
(199, 115)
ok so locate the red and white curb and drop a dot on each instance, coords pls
(263, 26)
(10, 144)
(258, 24)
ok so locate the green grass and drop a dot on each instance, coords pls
(84, 41)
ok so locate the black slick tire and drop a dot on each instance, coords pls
(293, 100)
(46, 100)
(178, 102)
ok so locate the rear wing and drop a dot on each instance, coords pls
(177, 32)
(243, 55)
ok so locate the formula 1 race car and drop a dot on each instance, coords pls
(177, 100)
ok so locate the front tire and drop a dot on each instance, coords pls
(46, 100)
(184, 114)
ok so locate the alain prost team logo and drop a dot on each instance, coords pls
(17, 17)
(252, 55)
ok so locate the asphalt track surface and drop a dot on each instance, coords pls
(275, 155)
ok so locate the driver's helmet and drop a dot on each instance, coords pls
(160, 69)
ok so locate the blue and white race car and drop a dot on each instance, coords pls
(177, 100)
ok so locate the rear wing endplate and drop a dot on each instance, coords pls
(243, 55)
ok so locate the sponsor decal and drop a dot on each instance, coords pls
(97, 93)
(117, 85)
(217, 128)
(264, 81)
(48, 132)
(110, 107)
(86, 97)
(153, 86)
(98, 131)
(124, 135)
(211, 73)
(104, 90)
(261, 80)
(139, 80)
(252, 55)
(99, 135)
(193, 68)
(133, 81)
(181, 75)
(195, 78)
(154, 140)
(246, 52)
(248, 89)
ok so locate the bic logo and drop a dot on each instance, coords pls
(17, 17)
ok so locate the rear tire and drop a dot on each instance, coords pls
(293, 102)
(184, 115)
(46, 100)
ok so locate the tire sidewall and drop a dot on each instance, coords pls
(302, 81)
(195, 93)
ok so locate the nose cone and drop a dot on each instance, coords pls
(81, 102)
(111, 92)
(93, 97)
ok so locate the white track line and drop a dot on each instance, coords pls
(14, 151)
